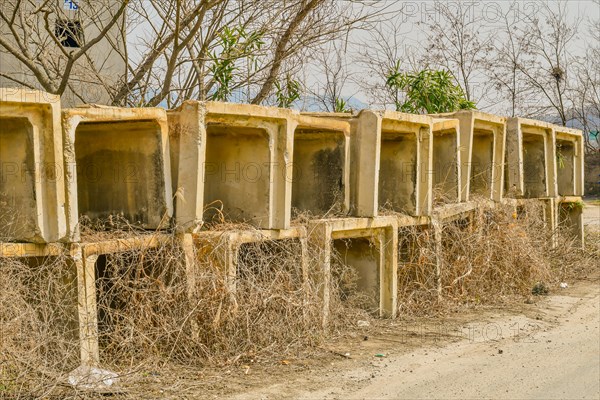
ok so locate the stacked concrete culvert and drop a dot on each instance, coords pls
(214, 177)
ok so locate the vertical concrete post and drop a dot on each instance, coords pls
(550, 217)
(514, 160)
(437, 236)
(466, 150)
(319, 238)
(387, 242)
(551, 164)
(281, 170)
(187, 140)
(305, 275)
(189, 260)
(424, 171)
(364, 171)
(498, 162)
(87, 308)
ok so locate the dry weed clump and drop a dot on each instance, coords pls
(152, 309)
(38, 325)
(487, 257)
(156, 312)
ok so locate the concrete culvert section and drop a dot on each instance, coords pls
(248, 168)
(570, 219)
(321, 166)
(531, 158)
(482, 146)
(32, 191)
(18, 218)
(122, 164)
(120, 171)
(569, 160)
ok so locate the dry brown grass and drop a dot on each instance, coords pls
(490, 257)
(152, 318)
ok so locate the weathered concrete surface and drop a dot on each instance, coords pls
(369, 245)
(248, 169)
(187, 144)
(531, 158)
(482, 144)
(570, 157)
(321, 172)
(32, 187)
(391, 162)
(446, 161)
(122, 164)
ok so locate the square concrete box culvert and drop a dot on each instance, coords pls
(570, 161)
(405, 163)
(321, 167)
(122, 164)
(531, 159)
(446, 161)
(247, 173)
(32, 191)
(357, 257)
(482, 143)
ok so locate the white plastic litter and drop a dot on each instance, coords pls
(564, 285)
(92, 378)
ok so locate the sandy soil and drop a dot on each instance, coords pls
(552, 351)
(591, 214)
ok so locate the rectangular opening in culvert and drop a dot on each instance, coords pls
(39, 313)
(570, 219)
(18, 197)
(355, 270)
(445, 167)
(237, 174)
(398, 172)
(318, 173)
(139, 296)
(120, 172)
(534, 165)
(565, 160)
(482, 157)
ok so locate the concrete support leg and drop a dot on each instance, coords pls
(319, 239)
(388, 272)
(189, 260)
(437, 235)
(87, 308)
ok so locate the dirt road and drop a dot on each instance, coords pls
(591, 214)
(553, 353)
